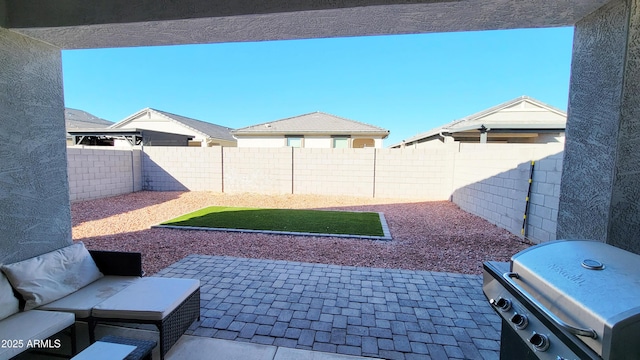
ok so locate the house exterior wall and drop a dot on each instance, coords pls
(314, 142)
(34, 196)
(100, 172)
(158, 123)
(318, 142)
(540, 139)
(529, 115)
(261, 142)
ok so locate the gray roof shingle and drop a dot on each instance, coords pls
(78, 119)
(316, 122)
(209, 129)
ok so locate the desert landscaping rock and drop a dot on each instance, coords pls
(432, 236)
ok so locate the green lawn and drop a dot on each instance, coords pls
(311, 221)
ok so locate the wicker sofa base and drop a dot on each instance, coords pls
(170, 328)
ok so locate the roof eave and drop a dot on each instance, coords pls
(508, 127)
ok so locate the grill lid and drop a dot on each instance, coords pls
(589, 285)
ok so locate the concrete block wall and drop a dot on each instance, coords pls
(258, 170)
(491, 181)
(182, 168)
(425, 174)
(97, 173)
(545, 198)
(333, 171)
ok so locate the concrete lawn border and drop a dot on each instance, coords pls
(383, 222)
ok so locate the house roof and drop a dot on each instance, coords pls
(78, 119)
(312, 123)
(520, 114)
(204, 128)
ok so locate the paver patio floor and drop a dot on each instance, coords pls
(392, 314)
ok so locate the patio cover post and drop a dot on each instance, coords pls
(600, 191)
(34, 188)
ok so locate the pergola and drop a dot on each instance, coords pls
(135, 137)
(600, 194)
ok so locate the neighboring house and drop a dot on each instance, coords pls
(204, 134)
(521, 120)
(314, 130)
(79, 120)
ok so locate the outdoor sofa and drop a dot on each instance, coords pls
(20, 329)
(105, 287)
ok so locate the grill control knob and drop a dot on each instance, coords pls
(520, 321)
(540, 342)
(502, 304)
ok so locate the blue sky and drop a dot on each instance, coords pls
(406, 83)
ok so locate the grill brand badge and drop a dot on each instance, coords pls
(574, 278)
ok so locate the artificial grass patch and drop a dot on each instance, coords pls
(310, 221)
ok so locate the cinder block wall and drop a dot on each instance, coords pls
(333, 171)
(182, 168)
(491, 181)
(96, 173)
(545, 199)
(425, 174)
(257, 170)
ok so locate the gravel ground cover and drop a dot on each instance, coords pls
(432, 236)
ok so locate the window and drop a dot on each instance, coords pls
(340, 142)
(294, 141)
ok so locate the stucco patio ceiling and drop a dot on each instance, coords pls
(72, 24)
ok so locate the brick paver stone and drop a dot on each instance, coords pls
(395, 314)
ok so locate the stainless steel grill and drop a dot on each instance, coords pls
(569, 299)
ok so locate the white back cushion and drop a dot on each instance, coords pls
(8, 302)
(51, 276)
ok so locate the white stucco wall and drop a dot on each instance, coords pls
(261, 142)
(153, 121)
(34, 190)
(318, 142)
(311, 142)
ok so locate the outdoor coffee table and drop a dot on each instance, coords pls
(171, 304)
(104, 351)
(116, 347)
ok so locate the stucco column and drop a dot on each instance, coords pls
(34, 191)
(600, 192)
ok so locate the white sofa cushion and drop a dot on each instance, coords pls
(82, 301)
(150, 298)
(51, 276)
(8, 303)
(31, 325)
